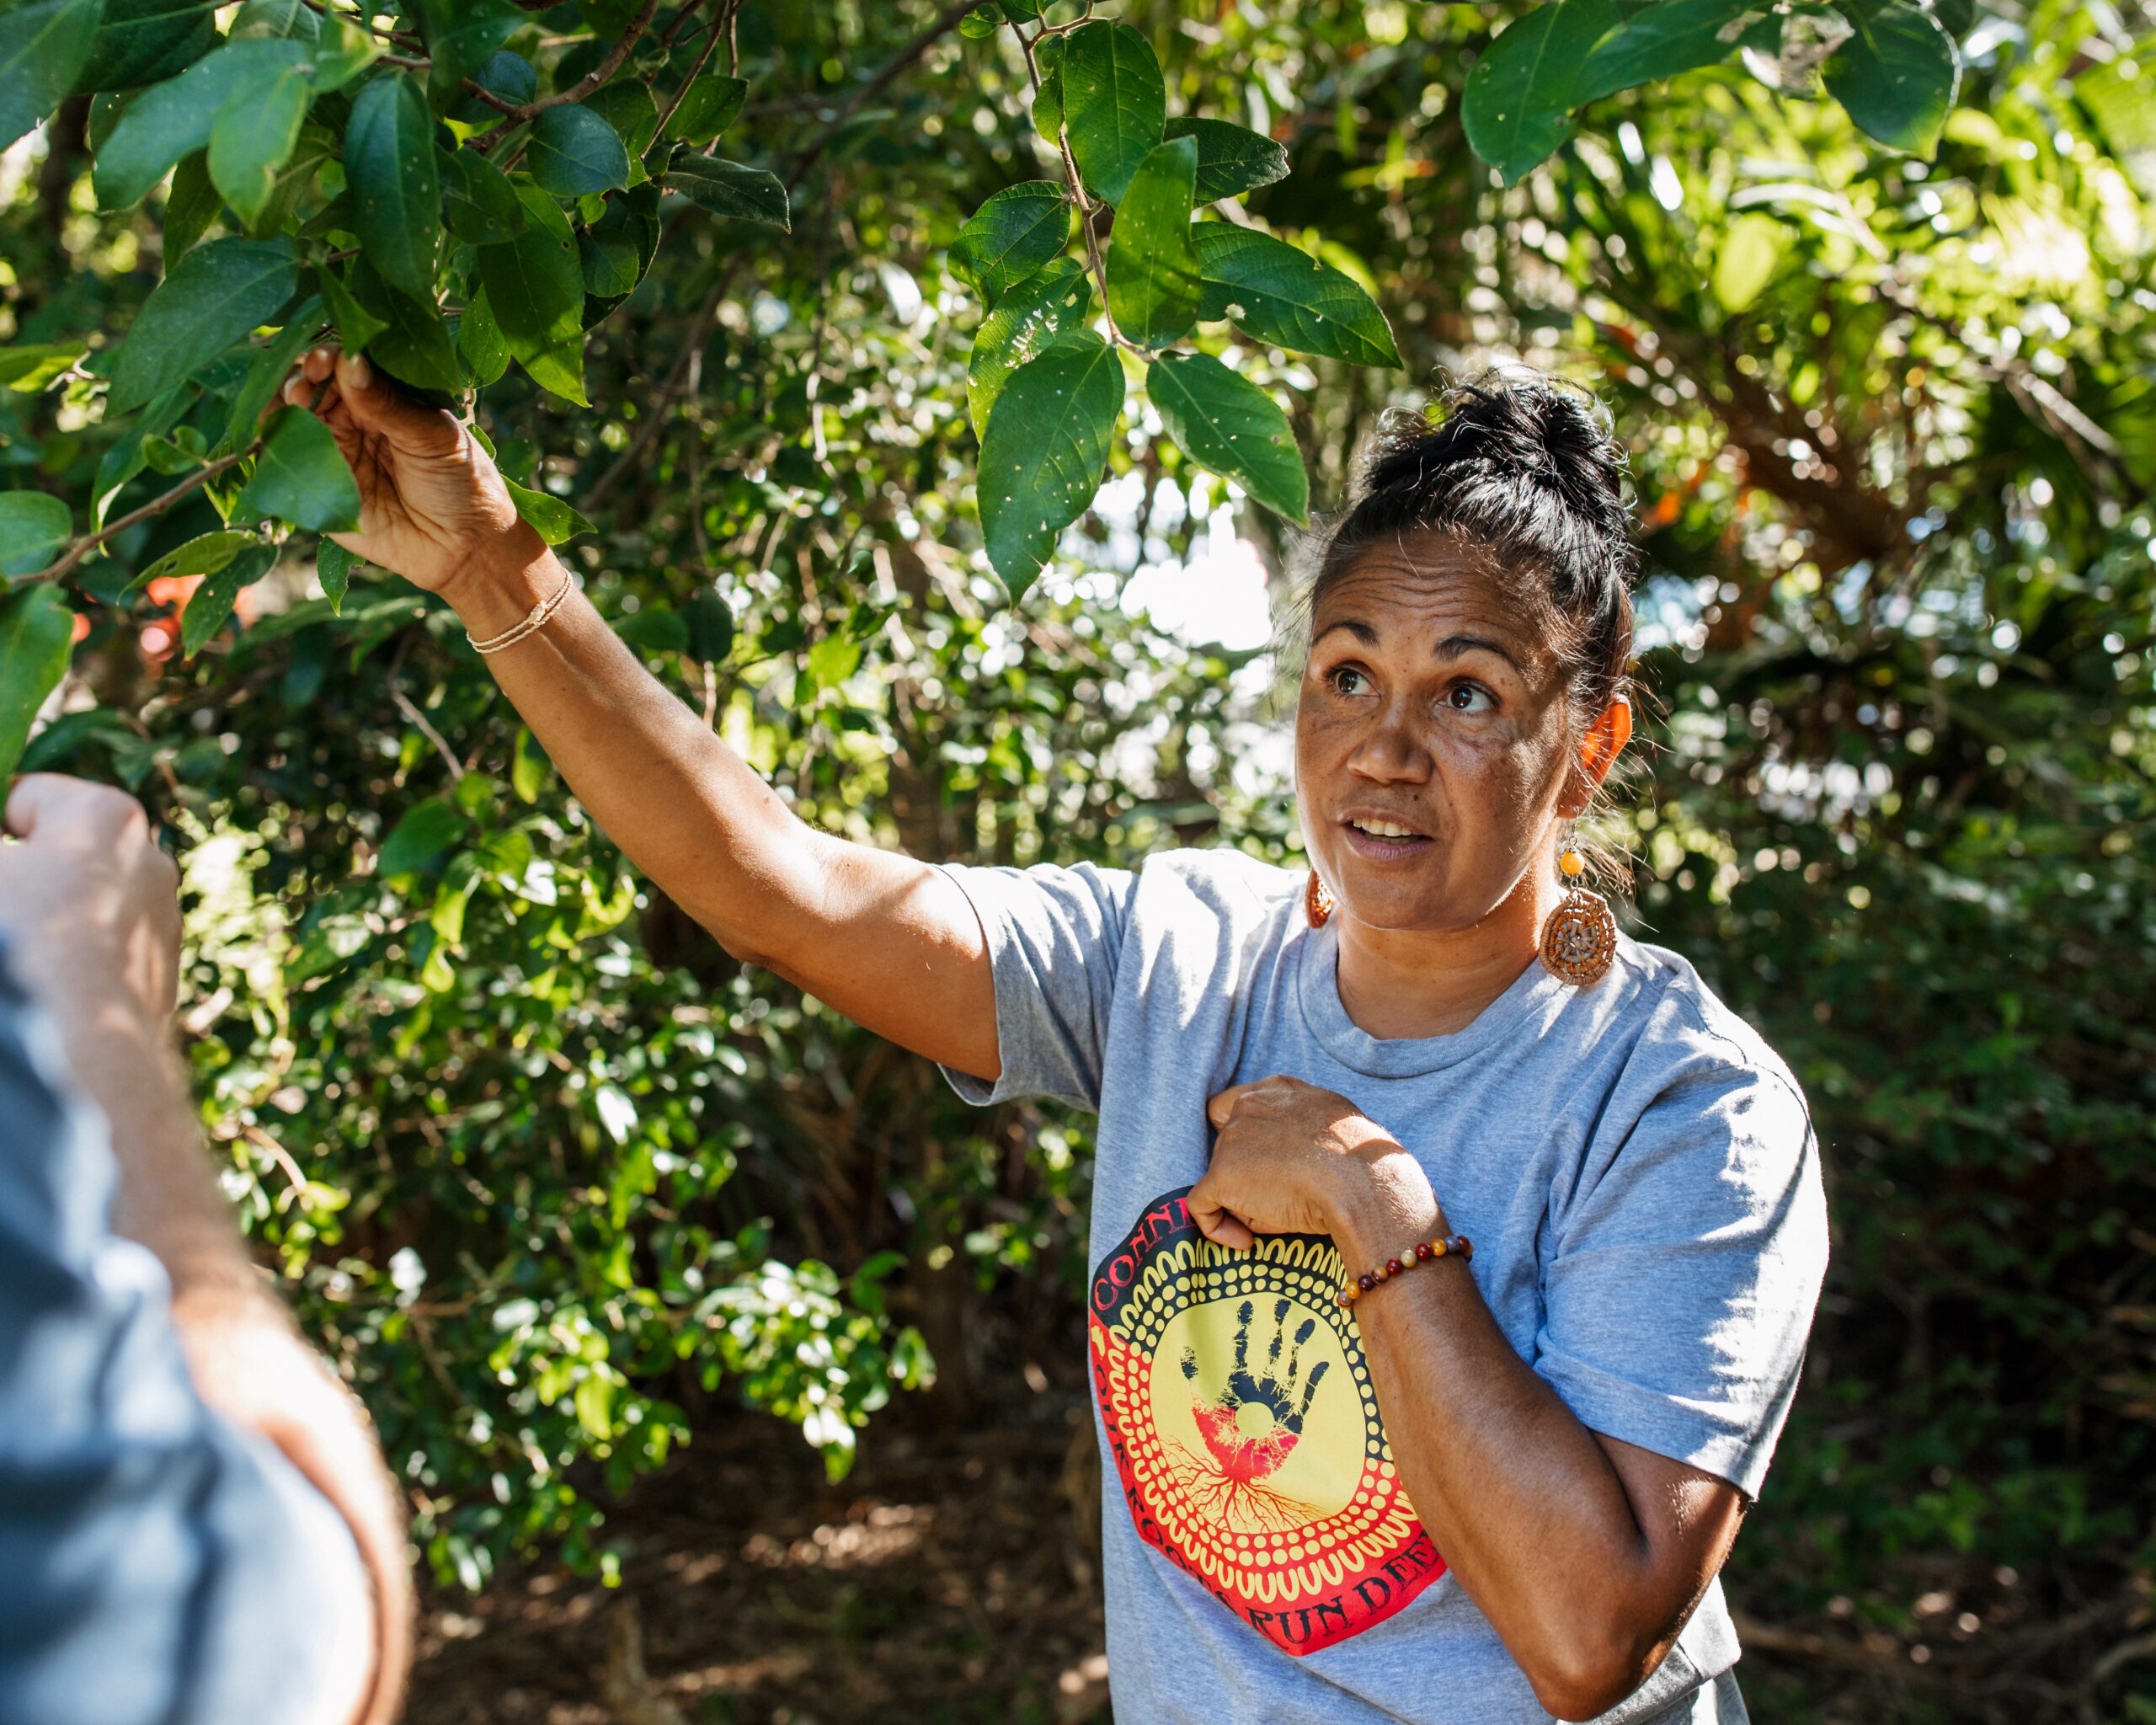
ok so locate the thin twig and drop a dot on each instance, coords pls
(666, 118)
(592, 79)
(700, 326)
(82, 548)
(405, 706)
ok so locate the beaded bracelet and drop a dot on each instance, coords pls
(1457, 1244)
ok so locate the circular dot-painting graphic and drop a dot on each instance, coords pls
(1245, 1431)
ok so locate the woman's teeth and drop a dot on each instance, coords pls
(1384, 829)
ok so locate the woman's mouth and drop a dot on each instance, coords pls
(1380, 840)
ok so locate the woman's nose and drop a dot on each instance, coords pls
(1390, 752)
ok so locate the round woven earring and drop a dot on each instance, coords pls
(1579, 939)
(1317, 902)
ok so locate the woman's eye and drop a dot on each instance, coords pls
(1466, 697)
(1340, 680)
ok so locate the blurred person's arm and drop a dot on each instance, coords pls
(89, 911)
(887, 940)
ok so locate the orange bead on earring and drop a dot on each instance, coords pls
(1317, 902)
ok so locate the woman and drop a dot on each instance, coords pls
(1501, 1489)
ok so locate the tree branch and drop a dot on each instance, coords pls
(59, 567)
(700, 325)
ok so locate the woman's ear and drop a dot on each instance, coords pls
(1603, 741)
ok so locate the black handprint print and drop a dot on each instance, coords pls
(1253, 1425)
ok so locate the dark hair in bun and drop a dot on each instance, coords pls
(1527, 468)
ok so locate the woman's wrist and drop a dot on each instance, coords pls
(495, 590)
(1381, 1203)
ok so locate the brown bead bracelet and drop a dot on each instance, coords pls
(1457, 1244)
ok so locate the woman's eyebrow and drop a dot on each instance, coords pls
(1453, 645)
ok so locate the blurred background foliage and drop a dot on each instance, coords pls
(561, 1186)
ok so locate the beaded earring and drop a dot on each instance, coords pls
(1317, 902)
(1579, 939)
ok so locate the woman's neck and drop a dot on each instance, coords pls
(1397, 983)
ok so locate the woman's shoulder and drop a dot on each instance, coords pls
(1685, 1033)
(1217, 875)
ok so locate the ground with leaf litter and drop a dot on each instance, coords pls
(949, 1578)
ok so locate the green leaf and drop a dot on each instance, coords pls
(509, 76)
(1228, 423)
(528, 766)
(141, 41)
(420, 838)
(219, 292)
(37, 633)
(1279, 294)
(572, 151)
(302, 477)
(1041, 460)
(462, 36)
(832, 660)
(1012, 235)
(1746, 260)
(982, 22)
(706, 108)
(253, 138)
(45, 46)
(334, 565)
(654, 628)
(414, 344)
(176, 118)
(480, 343)
(35, 366)
(609, 261)
(278, 17)
(356, 326)
(1114, 103)
(1053, 302)
(1153, 289)
(711, 627)
(342, 51)
(1661, 40)
(33, 528)
(1231, 159)
(1898, 75)
(481, 204)
(534, 287)
(554, 519)
(211, 606)
(1518, 108)
(273, 363)
(191, 204)
(731, 188)
(205, 554)
(627, 107)
(389, 170)
(1048, 99)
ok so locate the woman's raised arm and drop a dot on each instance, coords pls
(889, 941)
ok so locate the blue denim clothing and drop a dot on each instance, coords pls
(158, 1566)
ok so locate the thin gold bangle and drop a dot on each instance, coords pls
(533, 621)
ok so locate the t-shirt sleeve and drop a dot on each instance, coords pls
(1686, 1272)
(1053, 935)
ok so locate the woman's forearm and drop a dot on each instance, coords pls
(881, 938)
(686, 809)
(1515, 1491)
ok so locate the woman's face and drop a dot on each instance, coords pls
(1432, 710)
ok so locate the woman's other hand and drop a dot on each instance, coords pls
(433, 506)
(1291, 1158)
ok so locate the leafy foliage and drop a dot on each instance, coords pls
(548, 1170)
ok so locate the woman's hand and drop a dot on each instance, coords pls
(1293, 1159)
(433, 506)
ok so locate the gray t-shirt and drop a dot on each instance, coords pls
(1637, 1171)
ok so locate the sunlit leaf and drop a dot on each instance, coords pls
(1047, 443)
(1228, 423)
